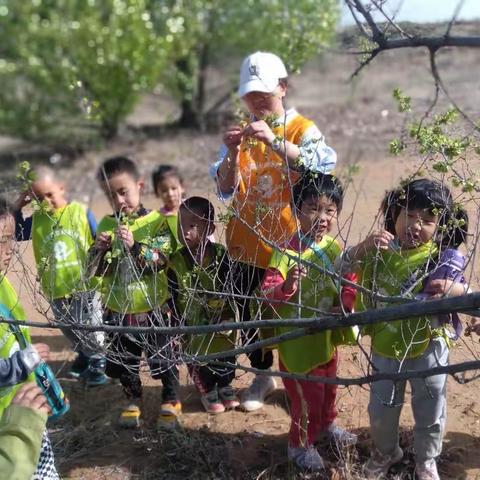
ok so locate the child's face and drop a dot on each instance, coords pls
(193, 230)
(50, 191)
(264, 104)
(171, 191)
(123, 191)
(415, 227)
(316, 216)
(7, 232)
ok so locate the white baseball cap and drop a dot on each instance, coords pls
(261, 72)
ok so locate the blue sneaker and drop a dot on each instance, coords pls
(95, 380)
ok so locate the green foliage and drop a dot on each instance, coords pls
(403, 102)
(445, 152)
(78, 67)
(74, 65)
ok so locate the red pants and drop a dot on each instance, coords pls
(312, 405)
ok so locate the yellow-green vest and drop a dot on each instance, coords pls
(390, 271)
(125, 288)
(195, 307)
(61, 240)
(317, 290)
(8, 342)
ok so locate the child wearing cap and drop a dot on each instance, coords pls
(257, 165)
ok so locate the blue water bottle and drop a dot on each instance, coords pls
(44, 376)
(52, 390)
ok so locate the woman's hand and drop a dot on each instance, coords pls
(261, 131)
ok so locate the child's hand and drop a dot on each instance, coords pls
(473, 326)
(259, 130)
(379, 240)
(443, 287)
(103, 241)
(293, 278)
(43, 350)
(30, 396)
(233, 137)
(23, 199)
(125, 236)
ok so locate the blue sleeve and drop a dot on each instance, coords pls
(23, 227)
(214, 171)
(13, 370)
(92, 223)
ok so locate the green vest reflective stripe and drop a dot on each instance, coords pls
(8, 342)
(390, 271)
(197, 308)
(125, 287)
(61, 240)
(316, 290)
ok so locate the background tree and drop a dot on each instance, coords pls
(68, 66)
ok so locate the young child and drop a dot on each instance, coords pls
(17, 366)
(317, 201)
(196, 270)
(420, 221)
(258, 162)
(61, 234)
(168, 186)
(126, 257)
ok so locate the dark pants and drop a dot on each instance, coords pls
(207, 377)
(246, 279)
(125, 350)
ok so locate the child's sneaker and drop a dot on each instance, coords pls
(211, 402)
(228, 397)
(254, 397)
(169, 413)
(130, 417)
(306, 458)
(340, 436)
(95, 379)
(427, 470)
(378, 464)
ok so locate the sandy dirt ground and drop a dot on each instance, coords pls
(358, 120)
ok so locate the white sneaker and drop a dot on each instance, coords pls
(255, 395)
(341, 436)
(306, 458)
(427, 470)
(378, 464)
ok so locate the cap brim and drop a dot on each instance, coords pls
(254, 86)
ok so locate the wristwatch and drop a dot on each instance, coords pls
(277, 143)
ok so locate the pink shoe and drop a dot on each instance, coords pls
(212, 403)
(228, 397)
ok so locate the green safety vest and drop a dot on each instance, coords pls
(61, 240)
(125, 288)
(197, 308)
(317, 290)
(8, 341)
(390, 272)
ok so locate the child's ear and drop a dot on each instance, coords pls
(141, 184)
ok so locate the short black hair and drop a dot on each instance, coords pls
(314, 185)
(201, 207)
(116, 165)
(6, 207)
(164, 171)
(434, 197)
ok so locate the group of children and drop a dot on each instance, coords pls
(162, 268)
